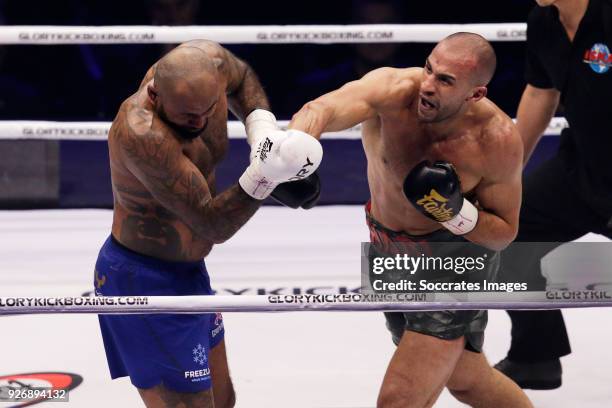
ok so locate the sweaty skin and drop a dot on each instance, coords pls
(165, 204)
(480, 141)
(438, 112)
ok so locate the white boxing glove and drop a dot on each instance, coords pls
(279, 157)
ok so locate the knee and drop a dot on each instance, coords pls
(464, 396)
(393, 395)
(464, 391)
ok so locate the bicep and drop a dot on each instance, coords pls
(499, 192)
(232, 69)
(370, 94)
(353, 103)
(171, 178)
(501, 198)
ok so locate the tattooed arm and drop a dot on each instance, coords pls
(158, 162)
(244, 90)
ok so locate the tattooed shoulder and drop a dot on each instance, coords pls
(151, 150)
(139, 120)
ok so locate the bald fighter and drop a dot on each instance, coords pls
(164, 145)
(444, 165)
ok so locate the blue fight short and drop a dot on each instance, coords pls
(156, 348)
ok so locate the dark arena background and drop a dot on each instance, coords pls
(61, 89)
(88, 82)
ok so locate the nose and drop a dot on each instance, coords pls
(427, 85)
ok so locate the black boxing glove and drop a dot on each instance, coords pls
(435, 191)
(303, 193)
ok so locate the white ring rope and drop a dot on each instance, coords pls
(263, 303)
(276, 34)
(91, 131)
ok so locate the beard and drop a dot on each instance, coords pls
(186, 133)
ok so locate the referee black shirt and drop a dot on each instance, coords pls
(582, 71)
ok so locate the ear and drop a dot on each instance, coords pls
(478, 93)
(217, 62)
(152, 92)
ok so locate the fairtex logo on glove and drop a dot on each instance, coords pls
(264, 149)
(304, 171)
(434, 204)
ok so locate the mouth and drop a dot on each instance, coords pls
(195, 130)
(426, 104)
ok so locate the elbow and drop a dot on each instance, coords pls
(220, 239)
(498, 246)
(214, 234)
(312, 117)
(210, 231)
(505, 238)
(497, 237)
(312, 107)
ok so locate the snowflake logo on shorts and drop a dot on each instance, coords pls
(199, 354)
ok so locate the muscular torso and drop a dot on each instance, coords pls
(139, 221)
(395, 141)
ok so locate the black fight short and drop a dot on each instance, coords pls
(444, 324)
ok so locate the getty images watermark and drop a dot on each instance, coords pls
(552, 271)
(388, 268)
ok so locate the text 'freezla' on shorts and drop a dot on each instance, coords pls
(152, 349)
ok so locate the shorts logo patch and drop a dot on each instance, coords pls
(100, 280)
(218, 319)
(218, 323)
(199, 355)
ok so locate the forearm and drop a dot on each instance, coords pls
(353, 103)
(536, 109)
(225, 214)
(249, 95)
(492, 231)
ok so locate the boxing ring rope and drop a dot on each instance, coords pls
(98, 131)
(286, 34)
(260, 34)
(264, 303)
(272, 34)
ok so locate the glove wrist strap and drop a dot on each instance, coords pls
(255, 184)
(258, 124)
(463, 222)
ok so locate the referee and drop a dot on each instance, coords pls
(569, 66)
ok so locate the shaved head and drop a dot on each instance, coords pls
(186, 89)
(455, 76)
(184, 68)
(473, 50)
